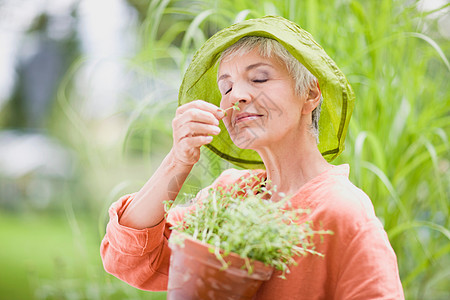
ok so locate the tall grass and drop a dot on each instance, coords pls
(398, 142)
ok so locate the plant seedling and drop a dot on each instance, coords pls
(234, 107)
(239, 219)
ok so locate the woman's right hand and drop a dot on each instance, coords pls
(193, 126)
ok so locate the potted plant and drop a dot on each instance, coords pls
(231, 241)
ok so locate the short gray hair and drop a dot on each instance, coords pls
(303, 78)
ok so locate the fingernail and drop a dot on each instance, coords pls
(220, 113)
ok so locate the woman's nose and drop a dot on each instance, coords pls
(241, 93)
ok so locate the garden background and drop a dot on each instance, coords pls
(88, 90)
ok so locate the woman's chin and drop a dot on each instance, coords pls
(246, 141)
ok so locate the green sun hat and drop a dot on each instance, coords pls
(200, 82)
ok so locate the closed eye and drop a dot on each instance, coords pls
(228, 91)
(259, 80)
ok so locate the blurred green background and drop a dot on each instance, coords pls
(88, 90)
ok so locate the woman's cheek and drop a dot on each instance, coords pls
(227, 121)
(222, 104)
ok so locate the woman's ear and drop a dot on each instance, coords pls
(312, 99)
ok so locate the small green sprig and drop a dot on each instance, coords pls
(234, 107)
(239, 219)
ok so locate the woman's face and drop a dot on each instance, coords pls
(270, 109)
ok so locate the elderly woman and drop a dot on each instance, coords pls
(264, 67)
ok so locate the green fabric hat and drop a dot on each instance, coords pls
(200, 82)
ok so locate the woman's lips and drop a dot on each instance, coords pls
(245, 116)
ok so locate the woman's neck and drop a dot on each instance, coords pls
(292, 163)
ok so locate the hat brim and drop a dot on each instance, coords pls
(199, 82)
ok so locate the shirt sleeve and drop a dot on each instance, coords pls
(139, 257)
(369, 266)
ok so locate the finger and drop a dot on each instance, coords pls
(202, 105)
(196, 141)
(195, 115)
(195, 129)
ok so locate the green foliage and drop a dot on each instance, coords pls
(238, 219)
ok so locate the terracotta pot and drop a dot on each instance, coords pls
(195, 273)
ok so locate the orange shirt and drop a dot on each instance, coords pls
(359, 262)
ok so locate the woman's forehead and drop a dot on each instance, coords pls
(246, 62)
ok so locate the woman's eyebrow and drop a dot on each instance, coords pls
(223, 77)
(253, 66)
(248, 68)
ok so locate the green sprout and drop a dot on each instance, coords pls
(234, 107)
